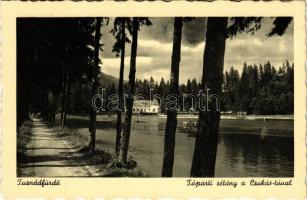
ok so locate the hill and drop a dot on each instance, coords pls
(107, 80)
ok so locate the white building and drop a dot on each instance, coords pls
(146, 107)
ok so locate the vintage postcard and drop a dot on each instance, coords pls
(153, 99)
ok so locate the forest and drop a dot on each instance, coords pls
(59, 71)
(262, 89)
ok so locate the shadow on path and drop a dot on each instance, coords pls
(49, 154)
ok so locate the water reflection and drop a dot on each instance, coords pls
(245, 148)
(254, 155)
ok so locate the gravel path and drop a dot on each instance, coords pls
(51, 155)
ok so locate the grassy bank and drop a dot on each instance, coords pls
(23, 134)
(23, 138)
(104, 160)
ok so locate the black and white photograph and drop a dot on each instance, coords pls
(155, 96)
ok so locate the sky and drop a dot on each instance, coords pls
(155, 49)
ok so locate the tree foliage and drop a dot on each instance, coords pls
(252, 24)
(47, 46)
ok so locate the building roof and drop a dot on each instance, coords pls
(145, 103)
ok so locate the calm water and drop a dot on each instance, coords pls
(245, 148)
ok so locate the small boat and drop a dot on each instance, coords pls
(190, 125)
(190, 128)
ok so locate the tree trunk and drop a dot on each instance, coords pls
(171, 123)
(23, 105)
(64, 99)
(203, 164)
(22, 100)
(53, 113)
(45, 108)
(120, 90)
(95, 85)
(128, 116)
(63, 95)
(50, 105)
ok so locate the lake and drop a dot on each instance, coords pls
(245, 148)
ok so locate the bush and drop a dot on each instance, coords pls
(23, 134)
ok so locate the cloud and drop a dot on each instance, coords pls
(257, 50)
(161, 30)
(194, 31)
(111, 65)
(155, 50)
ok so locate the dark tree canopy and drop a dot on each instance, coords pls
(280, 26)
(47, 46)
(252, 24)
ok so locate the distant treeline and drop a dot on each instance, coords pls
(259, 89)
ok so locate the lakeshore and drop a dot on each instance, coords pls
(234, 117)
(252, 148)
